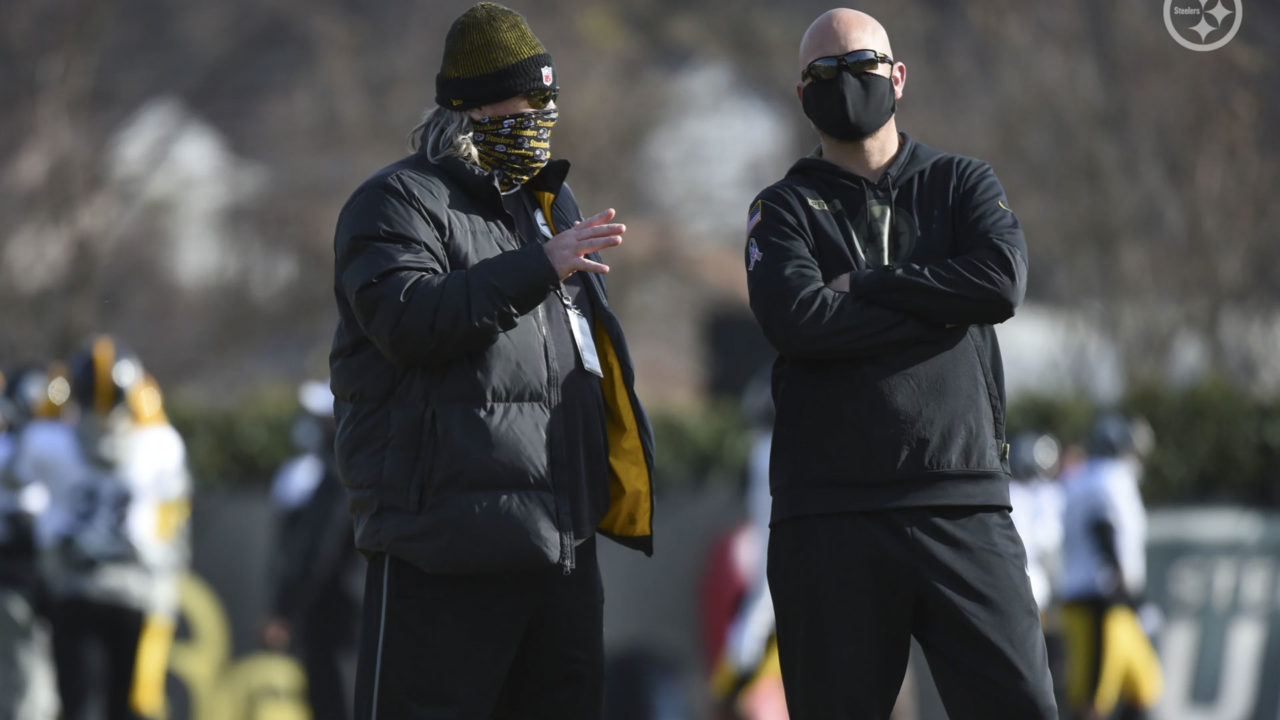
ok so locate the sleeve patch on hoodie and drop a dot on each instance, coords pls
(753, 217)
(754, 255)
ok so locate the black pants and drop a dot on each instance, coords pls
(475, 647)
(851, 589)
(327, 642)
(95, 646)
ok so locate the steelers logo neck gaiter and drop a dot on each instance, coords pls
(516, 146)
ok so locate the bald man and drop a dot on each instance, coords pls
(877, 268)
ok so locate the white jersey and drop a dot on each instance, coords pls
(1037, 515)
(113, 532)
(1103, 489)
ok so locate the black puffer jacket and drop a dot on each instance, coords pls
(443, 378)
(892, 394)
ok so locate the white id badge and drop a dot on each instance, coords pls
(584, 340)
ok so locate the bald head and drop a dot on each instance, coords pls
(840, 31)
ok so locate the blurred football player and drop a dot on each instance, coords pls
(747, 680)
(114, 536)
(27, 689)
(1036, 499)
(1111, 665)
(318, 573)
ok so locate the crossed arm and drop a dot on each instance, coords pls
(982, 284)
(868, 311)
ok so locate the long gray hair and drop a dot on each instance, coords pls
(443, 133)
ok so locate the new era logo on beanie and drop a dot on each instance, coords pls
(490, 54)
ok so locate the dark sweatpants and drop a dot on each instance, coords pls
(851, 589)
(95, 646)
(328, 638)
(474, 647)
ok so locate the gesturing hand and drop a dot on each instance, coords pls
(566, 250)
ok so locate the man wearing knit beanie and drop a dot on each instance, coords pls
(488, 426)
(491, 55)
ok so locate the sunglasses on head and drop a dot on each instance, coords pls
(542, 98)
(856, 62)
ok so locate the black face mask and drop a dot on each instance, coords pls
(850, 107)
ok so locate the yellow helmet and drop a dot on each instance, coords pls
(106, 375)
(146, 403)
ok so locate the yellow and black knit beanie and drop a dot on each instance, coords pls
(490, 54)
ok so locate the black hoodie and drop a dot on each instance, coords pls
(892, 394)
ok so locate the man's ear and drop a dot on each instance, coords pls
(899, 77)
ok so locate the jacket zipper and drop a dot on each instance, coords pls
(566, 561)
(564, 524)
(567, 558)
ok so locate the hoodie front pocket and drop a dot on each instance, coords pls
(993, 391)
(944, 405)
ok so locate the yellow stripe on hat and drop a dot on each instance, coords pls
(104, 360)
